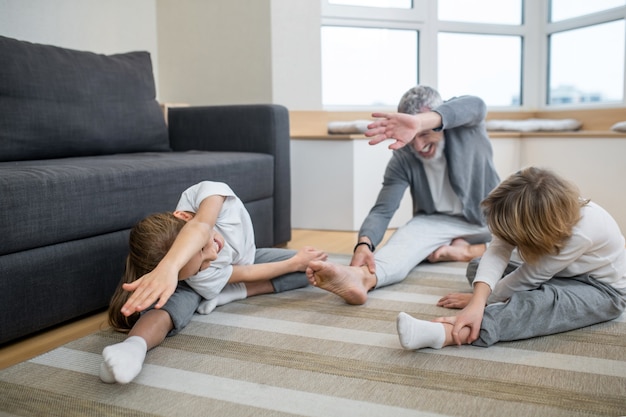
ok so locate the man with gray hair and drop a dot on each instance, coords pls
(448, 168)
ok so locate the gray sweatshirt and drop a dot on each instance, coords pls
(470, 169)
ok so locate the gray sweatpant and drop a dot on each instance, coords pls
(559, 305)
(182, 305)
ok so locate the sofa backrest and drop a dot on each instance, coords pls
(57, 102)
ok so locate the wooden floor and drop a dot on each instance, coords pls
(329, 241)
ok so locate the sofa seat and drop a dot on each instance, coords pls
(60, 200)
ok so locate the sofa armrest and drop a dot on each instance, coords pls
(260, 128)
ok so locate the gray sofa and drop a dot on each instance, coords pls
(85, 153)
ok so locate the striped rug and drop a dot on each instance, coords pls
(306, 353)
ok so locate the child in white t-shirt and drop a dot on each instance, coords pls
(557, 262)
(198, 257)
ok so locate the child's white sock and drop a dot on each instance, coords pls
(123, 361)
(418, 334)
(230, 293)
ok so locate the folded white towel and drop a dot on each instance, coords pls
(354, 126)
(533, 125)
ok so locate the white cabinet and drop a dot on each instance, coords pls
(335, 182)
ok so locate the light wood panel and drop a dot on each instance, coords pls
(24, 349)
(306, 123)
(10, 354)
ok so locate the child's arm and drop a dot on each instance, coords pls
(528, 277)
(260, 272)
(471, 316)
(160, 284)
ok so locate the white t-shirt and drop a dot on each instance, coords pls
(436, 168)
(596, 247)
(234, 224)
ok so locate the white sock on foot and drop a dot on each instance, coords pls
(230, 293)
(123, 361)
(419, 334)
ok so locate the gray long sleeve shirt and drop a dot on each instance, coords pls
(471, 170)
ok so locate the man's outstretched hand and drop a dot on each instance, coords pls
(396, 126)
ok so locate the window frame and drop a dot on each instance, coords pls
(534, 31)
(578, 22)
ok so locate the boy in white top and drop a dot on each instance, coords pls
(571, 270)
(200, 256)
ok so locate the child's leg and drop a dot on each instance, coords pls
(286, 282)
(123, 361)
(233, 292)
(419, 334)
(559, 305)
(239, 291)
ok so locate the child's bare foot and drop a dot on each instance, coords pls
(459, 250)
(348, 282)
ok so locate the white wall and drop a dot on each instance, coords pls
(214, 52)
(595, 165)
(231, 52)
(296, 48)
(334, 184)
(107, 27)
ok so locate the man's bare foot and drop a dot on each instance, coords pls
(459, 250)
(348, 282)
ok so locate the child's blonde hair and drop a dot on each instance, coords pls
(534, 210)
(149, 241)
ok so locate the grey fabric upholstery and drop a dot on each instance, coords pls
(60, 200)
(76, 103)
(213, 128)
(58, 282)
(85, 153)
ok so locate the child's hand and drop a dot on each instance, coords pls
(157, 285)
(305, 255)
(471, 316)
(455, 300)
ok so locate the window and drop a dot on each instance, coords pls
(506, 12)
(488, 66)
(355, 73)
(512, 53)
(566, 9)
(398, 4)
(584, 67)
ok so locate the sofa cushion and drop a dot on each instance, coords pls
(58, 102)
(47, 202)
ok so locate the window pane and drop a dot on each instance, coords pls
(587, 65)
(488, 66)
(507, 12)
(565, 9)
(396, 4)
(353, 72)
